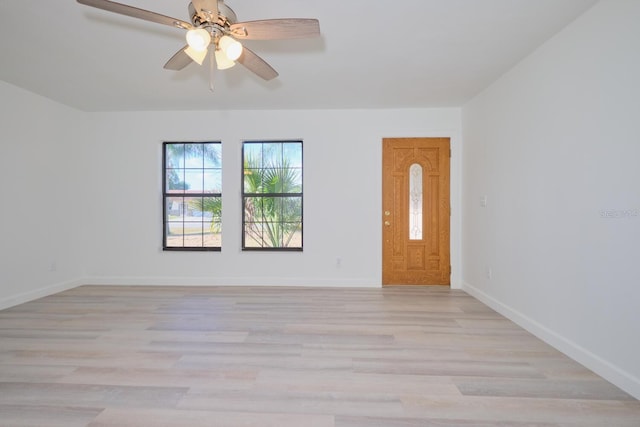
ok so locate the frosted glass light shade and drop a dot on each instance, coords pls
(223, 61)
(197, 55)
(231, 48)
(198, 39)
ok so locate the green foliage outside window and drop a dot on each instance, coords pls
(272, 195)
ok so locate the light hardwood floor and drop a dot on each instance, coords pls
(239, 356)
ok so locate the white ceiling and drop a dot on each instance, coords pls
(372, 54)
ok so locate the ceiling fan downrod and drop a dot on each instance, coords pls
(211, 68)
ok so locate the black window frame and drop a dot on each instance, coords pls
(166, 194)
(246, 195)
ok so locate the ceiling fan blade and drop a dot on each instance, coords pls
(178, 61)
(276, 29)
(135, 12)
(207, 9)
(257, 65)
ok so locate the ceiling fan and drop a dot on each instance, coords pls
(214, 30)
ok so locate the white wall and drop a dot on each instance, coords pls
(342, 200)
(82, 195)
(555, 146)
(40, 197)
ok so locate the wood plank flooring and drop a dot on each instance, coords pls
(269, 356)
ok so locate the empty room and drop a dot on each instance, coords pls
(331, 214)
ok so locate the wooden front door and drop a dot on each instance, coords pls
(415, 211)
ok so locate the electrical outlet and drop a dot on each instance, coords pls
(53, 266)
(489, 273)
(338, 262)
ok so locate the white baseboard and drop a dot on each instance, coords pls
(235, 281)
(240, 281)
(605, 369)
(21, 298)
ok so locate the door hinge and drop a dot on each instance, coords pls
(449, 152)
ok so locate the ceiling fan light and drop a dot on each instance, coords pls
(198, 39)
(197, 55)
(231, 47)
(223, 61)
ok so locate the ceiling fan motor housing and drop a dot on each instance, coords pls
(226, 17)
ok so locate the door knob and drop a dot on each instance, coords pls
(387, 223)
(387, 213)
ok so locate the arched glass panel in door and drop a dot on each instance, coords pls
(415, 202)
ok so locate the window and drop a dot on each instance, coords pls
(192, 196)
(272, 195)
